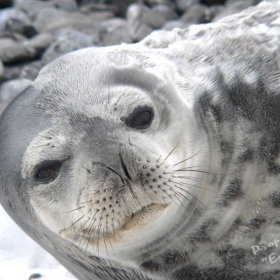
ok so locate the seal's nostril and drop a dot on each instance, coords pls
(125, 169)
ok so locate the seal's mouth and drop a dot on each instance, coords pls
(137, 220)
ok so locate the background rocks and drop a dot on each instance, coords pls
(34, 32)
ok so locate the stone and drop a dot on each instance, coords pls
(120, 6)
(12, 14)
(2, 71)
(234, 7)
(140, 32)
(10, 89)
(141, 14)
(195, 14)
(213, 11)
(183, 5)
(31, 70)
(169, 25)
(53, 20)
(40, 42)
(11, 72)
(33, 7)
(68, 40)
(157, 2)
(165, 11)
(12, 51)
(18, 26)
(65, 5)
(115, 31)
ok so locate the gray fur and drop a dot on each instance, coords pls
(211, 152)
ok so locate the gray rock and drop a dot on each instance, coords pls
(12, 14)
(165, 11)
(40, 42)
(157, 2)
(68, 40)
(234, 7)
(53, 20)
(140, 32)
(169, 25)
(196, 14)
(33, 7)
(2, 71)
(141, 14)
(18, 26)
(98, 8)
(120, 6)
(11, 72)
(31, 70)
(65, 5)
(183, 5)
(12, 51)
(213, 11)
(115, 31)
(10, 89)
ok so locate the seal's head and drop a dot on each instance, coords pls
(159, 158)
(100, 162)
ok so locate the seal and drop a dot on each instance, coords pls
(157, 160)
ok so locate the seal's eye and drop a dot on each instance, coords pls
(47, 171)
(140, 118)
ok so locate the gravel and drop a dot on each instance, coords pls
(34, 32)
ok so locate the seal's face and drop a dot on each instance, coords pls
(113, 172)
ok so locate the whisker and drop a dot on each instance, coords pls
(187, 158)
(171, 151)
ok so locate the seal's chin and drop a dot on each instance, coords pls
(137, 221)
(136, 231)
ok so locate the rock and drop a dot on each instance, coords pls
(12, 14)
(53, 20)
(98, 8)
(141, 14)
(65, 5)
(165, 11)
(169, 25)
(120, 6)
(195, 14)
(31, 70)
(140, 32)
(2, 71)
(40, 42)
(68, 40)
(213, 11)
(233, 8)
(157, 2)
(33, 7)
(15, 25)
(11, 72)
(115, 31)
(10, 89)
(183, 5)
(12, 51)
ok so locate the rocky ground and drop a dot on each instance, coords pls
(34, 32)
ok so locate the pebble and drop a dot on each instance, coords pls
(34, 32)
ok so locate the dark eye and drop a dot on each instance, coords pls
(140, 118)
(47, 171)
